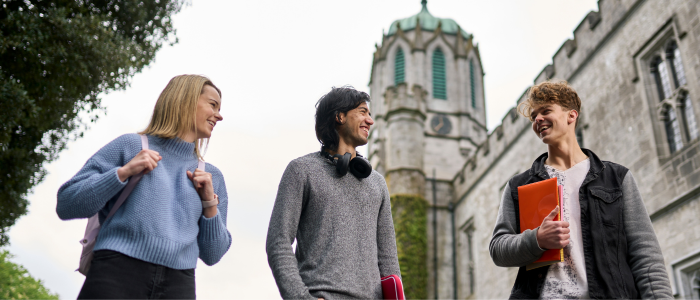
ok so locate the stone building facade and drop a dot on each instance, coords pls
(635, 65)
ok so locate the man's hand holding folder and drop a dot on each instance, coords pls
(535, 199)
(553, 234)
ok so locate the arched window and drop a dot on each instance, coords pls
(399, 67)
(439, 78)
(673, 130)
(674, 54)
(658, 68)
(471, 82)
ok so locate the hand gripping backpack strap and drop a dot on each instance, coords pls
(93, 226)
(129, 186)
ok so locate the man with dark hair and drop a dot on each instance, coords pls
(342, 223)
(610, 249)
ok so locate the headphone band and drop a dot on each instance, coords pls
(344, 163)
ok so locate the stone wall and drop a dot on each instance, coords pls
(605, 63)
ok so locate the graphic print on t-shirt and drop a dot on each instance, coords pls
(567, 279)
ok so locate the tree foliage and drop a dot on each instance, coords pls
(411, 225)
(16, 283)
(56, 58)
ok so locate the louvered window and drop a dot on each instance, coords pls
(399, 67)
(439, 78)
(471, 82)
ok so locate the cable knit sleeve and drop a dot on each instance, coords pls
(214, 239)
(97, 182)
(645, 259)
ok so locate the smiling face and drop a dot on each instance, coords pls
(208, 108)
(355, 125)
(552, 123)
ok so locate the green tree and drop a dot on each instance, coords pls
(16, 283)
(56, 58)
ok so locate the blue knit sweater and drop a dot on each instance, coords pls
(161, 221)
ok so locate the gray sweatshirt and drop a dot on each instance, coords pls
(510, 249)
(343, 228)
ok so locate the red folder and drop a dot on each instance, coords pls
(392, 287)
(536, 201)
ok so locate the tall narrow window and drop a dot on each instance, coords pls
(690, 122)
(471, 82)
(661, 73)
(673, 130)
(695, 284)
(439, 78)
(470, 256)
(399, 67)
(678, 72)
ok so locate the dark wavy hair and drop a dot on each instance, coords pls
(338, 100)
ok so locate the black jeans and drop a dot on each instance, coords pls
(116, 276)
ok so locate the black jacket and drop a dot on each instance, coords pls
(602, 227)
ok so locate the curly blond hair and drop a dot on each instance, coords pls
(550, 92)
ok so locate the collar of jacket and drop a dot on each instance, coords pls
(539, 170)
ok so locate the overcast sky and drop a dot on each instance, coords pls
(272, 61)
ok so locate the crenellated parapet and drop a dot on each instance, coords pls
(591, 34)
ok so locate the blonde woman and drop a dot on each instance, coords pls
(149, 247)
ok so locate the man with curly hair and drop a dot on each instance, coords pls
(610, 248)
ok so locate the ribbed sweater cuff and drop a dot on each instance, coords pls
(530, 240)
(107, 184)
(212, 229)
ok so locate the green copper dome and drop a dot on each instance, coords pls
(428, 22)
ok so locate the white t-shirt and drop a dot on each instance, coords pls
(567, 279)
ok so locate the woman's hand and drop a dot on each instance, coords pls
(203, 184)
(146, 160)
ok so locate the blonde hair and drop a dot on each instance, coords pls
(176, 109)
(550, 92)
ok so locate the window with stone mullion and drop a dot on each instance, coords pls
(673, 130)
(689, 115)
(678, 71)
(665, 82)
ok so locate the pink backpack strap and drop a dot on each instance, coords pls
(132, 183)
(201, 165)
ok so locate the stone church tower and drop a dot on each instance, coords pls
(428, 101)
